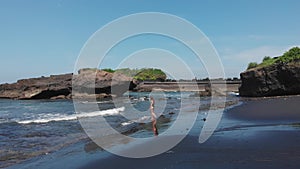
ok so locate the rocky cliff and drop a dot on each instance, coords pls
(277, 79)
(88, 81)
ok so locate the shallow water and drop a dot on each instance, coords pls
(35, 130)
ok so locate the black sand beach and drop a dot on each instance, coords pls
(259, 133)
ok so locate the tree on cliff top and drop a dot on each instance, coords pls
(252, 65)
(266, 58)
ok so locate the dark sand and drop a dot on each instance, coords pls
(260, 133)
(268, 109)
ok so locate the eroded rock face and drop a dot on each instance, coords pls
(275, 80)
(60, 86)
(38, 88)
(96, 81)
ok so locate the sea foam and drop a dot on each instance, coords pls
(144, 119)
(62, 117)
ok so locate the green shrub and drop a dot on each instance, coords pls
(128, 72)
(252, 65)
(292, 55)
(108, 70)
(267, 62)
(150, 75)
(266, 58)
(145, 74)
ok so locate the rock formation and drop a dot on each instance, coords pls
(274, 80)
(38, 88)
(87, 82)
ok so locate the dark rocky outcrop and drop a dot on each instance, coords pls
(87, 82)
(274, 80)
(38, 88)
(91, 81)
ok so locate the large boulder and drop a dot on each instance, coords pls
(92, 81)
(278, 79)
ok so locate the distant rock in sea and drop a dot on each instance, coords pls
(274, 80)
(87, 82)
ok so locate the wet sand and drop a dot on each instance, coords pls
(260, 133)
(276, 109)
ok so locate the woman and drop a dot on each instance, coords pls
(153, 116)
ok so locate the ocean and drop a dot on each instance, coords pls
(32, 132)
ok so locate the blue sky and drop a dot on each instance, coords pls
(45, 37)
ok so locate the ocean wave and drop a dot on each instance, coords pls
(98, 102)
(127, 123)
(144, 119)
(58, 117)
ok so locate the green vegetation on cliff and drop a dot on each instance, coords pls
(145, 74)
(290, 56)
(150, 74)
(128, 72)
(108, 70)
(252, 65)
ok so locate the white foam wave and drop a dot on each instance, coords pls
(57, 117)
(90, 102)
(127, 123)
(144, 119)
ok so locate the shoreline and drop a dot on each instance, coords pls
(240, 141)
(250, 146)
